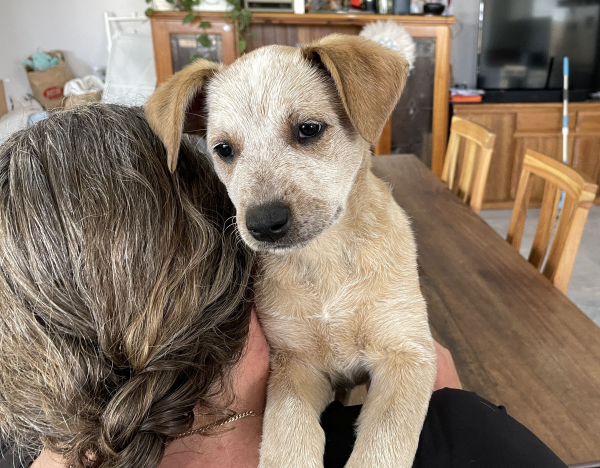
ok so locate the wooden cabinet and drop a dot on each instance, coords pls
(170, 36)
(419, 123)
(536, 126)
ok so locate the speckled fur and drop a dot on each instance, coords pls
(339, 296)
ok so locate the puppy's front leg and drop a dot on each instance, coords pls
(392, 417)
(292, 434)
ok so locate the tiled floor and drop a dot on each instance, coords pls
(584, 289)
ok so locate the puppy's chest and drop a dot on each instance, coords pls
(313, 317)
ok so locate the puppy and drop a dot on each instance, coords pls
(290, 131)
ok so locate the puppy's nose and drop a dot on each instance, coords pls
(268, 223)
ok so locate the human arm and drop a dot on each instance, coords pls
(447, 376)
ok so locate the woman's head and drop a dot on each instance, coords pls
(124, 290)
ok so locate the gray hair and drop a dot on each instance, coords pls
(125, 292)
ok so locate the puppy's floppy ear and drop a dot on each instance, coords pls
(177, 106)
(369, 78)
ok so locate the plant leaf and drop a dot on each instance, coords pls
(204, 40)
(189, 18)
(149, 12)
(204, 24)
(242, 45)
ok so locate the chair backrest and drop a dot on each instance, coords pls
(475, 165)
(579, 196)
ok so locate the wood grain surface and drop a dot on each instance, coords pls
(516, 340)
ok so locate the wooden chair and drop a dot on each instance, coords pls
(580, 192)
(479, 145)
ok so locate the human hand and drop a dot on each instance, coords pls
(446, 377)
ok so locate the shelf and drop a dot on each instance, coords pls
(319, 19)
(350, 19)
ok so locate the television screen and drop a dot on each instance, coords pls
(523, 42)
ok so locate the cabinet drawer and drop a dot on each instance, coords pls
(588, 121)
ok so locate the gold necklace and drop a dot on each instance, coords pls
(219, 423)
(208, 427)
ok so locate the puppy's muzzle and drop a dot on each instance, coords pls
(268, 223)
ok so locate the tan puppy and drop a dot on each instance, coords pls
(337, 291)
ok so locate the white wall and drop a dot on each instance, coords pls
(464, 42)
(74, 26)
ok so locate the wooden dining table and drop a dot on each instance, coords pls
(515, 339)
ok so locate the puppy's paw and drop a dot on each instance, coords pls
(297, 445)
(285, 462)
(378, 460)
(294, 458)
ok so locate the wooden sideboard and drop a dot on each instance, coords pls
(538, 127)
(424, 105)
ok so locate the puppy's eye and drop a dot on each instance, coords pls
(309, 129)
(224, 151)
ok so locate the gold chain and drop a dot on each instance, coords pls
(208, 427)
(219, 423)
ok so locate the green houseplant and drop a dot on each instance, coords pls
(239, 17)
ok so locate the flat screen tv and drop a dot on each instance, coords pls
(522, 44)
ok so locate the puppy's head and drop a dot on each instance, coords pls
(287, 129)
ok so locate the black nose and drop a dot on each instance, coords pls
(268, 223)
